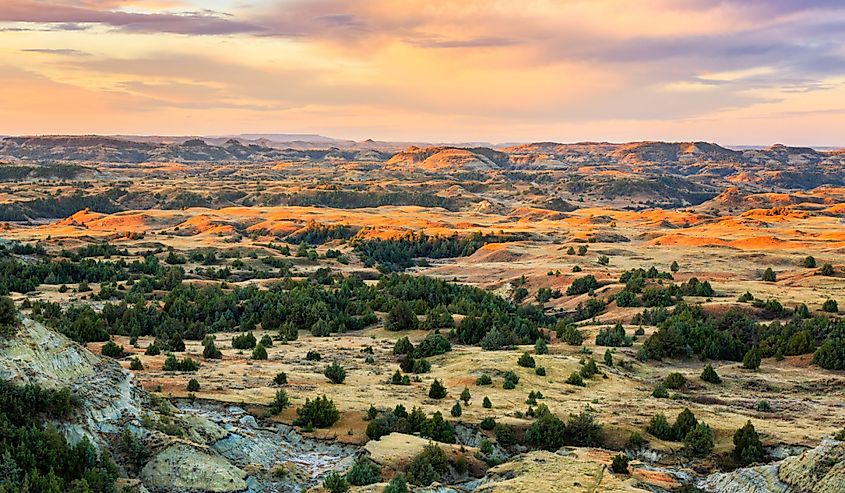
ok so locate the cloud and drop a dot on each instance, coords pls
(70, 17)
(57, 51)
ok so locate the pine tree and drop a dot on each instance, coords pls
(747, 446)
(259, 352)
(752, 359)
(456, 410)
(437, 390)
(710, 375)
(465, 396)
(769, 275)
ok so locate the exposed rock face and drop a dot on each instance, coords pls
(220, 449)
(37, 355)
(184, 468)
(818, 470)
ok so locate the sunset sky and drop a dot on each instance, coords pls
(730, 71)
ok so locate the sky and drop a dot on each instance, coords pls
(751, 72)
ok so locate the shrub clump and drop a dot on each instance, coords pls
(709, 375)
(437, 390)
(335, 373)
(526, 361)
(318, 413)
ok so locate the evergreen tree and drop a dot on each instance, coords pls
(465, 396)
(752, 359)
(259, 353)
(769, 275)
(710, 375)
(456, 410)
(401, 317)
(747, 446)
(437, 390)
(335, 373)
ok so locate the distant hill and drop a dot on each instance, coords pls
(449, 159)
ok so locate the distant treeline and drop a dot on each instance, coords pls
(9, 172)
(399, 253)
(64, 206)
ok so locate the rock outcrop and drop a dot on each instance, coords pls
(818, 470)
(217, 449)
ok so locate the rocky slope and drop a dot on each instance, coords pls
(216, 449)
(818, 470)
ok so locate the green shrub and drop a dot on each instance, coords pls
(511, 379)
(614, 337)
(660, 392)
(259, 353)
(569, 334)
(769, 275)
(266, 341)
(335, 483)
(505, 434)
(313, 356)
(193, 385)
(456, 410)
(112, 350)
(397, 485)
(830, 306)
(281, 378)
(541, 346)
(244, 341)
(809, 262)
(364, 472)
(335, 373)
(429, 466)
(752, 359)
(547, 433)
(526, 361)
(660, 428)
(827, 270)
(709, 375)
(583, 431)
(486, 403)
(280, 402)
(484, 380)
(674, 381)
(319, 413)
(466, 396)
(136, 365)
(403, 346)
(635, 441)
(747, 446)
(699, 441)
(583, 285)
(401, 317)
(487, 424)
(589, 369)
(209, 350)
(619, 464)
(437, 390)
(540, 371)
(684, 423)
(575, 379)
(152, 350)
(173, 364)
